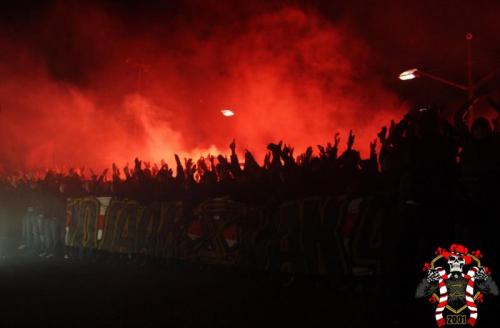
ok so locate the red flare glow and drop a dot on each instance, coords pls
(293, 76)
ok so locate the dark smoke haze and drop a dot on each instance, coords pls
(71, 94)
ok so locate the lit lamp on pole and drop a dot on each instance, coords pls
(415, 72)
(469, 88)
(408, 75)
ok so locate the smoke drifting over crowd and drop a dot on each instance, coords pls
(88, 85)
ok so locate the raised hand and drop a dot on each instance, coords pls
(232, 146)
(321, 150)
(267, 159)
(103, 174)
(188, 162)
(373, 146)
(127, 171)
(336, 140)
(212, 162)
(308, 153)
(274, 147)
(382, 135)
(188, 165)
(350, 140)
(177, 160)
(202, 165)
(137, 166)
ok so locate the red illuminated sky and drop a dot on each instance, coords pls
(289, 70)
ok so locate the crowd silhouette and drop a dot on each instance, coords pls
(432, 182)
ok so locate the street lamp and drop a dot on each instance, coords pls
(470, 87)
(408, 75)
(415, 72)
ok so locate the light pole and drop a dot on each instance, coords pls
(415, 72)
(470, 88)
(468, 38)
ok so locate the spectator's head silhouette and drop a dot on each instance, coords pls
(428, 122)
(480, 128)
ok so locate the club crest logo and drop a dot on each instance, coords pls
(455, 284)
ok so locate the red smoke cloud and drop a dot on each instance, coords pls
(72, 96)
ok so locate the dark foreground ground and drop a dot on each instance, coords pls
(58, 293)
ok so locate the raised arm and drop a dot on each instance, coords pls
(180, 169)
(350, 140)
(235, 163)
(461, 116)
